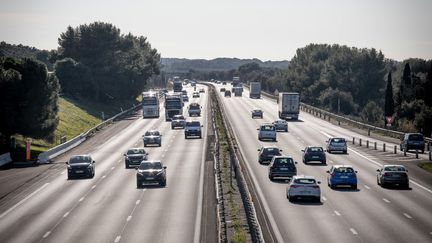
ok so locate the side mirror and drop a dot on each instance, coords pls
(327, 171)
(302, 150)
(202, 125)
(257, 129)
(136, 168)
(258, 149)
(378, 170)
(406, 170)
(318, 182)
(164, 167)
(280, 150)
(356, 171)
(124, 155)
(295, 162)
(67, 163)
(94, 161)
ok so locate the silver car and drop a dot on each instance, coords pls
(152, 137)
(267, 131)
(303, 187)
(281, 125)
(337, 144)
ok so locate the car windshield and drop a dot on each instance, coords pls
(193, 124)
(257, 111)
(271, 151)
(305, 181)
(280, 121)
(315, 149)
(135, 151)
(344, 170)
(80, 159)
(267, 128)
(178, 117)
(416, 137)
(151, 166)
(338, 140)
(284, 162)
(194, 106)
(152, 133)
(394, 168)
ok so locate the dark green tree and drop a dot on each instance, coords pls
(389, 101)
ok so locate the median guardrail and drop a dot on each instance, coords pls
(50, 154)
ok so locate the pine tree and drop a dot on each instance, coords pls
(389, 101)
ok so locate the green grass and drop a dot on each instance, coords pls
(427, 166)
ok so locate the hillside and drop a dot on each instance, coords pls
(21, 51)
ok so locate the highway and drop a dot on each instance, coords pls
(109, 207)
(368, 214)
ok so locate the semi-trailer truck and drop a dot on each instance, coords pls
(289, 105)
(255, 90)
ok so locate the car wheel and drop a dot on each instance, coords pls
(271, 177)
(378, 182)
(160, 144)
(139, 184)
(186, 137)
(422, 151)
(93, 174)
(406, 186)
(126, 165)
(145, 145)
(345, 152)
(172, 127)
(69, 177)
(163, 183)
(354, 187)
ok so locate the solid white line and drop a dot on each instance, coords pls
(367, 187)
(66, 214)
(407, 215)
(46, 234)
(137, 202)
(385, 200)
(81, 199)
(323, 198)
(112, 168)
(117, 239)
(22, 201)
(353, 231)
(63, 173)
(380, 165)
(103, 177)
(93, 187)
(331, 161)
(337, 213)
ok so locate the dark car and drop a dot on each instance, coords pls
(152, 137)
(393, 175)
(282, 166)
(227, 93)
(267, 153)
(80, 166)
(312, 153)
(150, 172)
(257, 113)
(222, 89)
(193, 128)
(134, 156)
(412, 141)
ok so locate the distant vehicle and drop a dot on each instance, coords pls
(80, 165)
(193, 128)
(313, 153)
(202, 90)
(282, 167)
(303, 187)
(267, 131)
(193, 83)
(266, 153)
(152, 137)
(185, 98)
(235, 81)
(224, 83)
(227, 93)
(151, 172)
(412, 141)
(238, 91)
(195, 94)
(194, 109)
(222, 89)
(255, 90)
(184, 92)
(393, 175)
(173, 105)
(257, 113)
(178, 121)
(177, 85)
(134, 156)
(150, 104)
(342, 175)
(281, 125)
(289, 105)
(337, 144)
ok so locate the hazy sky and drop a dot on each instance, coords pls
(264, 29)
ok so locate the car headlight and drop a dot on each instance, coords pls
(89, 166)
(69, 167)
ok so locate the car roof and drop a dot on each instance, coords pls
(134, 148)
(343, 166)
(270, 146)
(282, 156)
(80, 155)
(390, 165)
(267, 124)
(151, 161)
(303, 176)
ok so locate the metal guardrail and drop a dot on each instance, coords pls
(50, 154)
(5, 159)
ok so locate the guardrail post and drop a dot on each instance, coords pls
(360, 142)
(353, 140)
(368, 131)
(367, 143)
(339, 122)
(375, 145)
(384, 147)
(416, 153)
(430, 155)
(428, 147)
(395, 149)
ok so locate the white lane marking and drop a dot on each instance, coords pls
(407, 215)
(66, 214)
(120, 160)
(331, 161)
(112, 168)
(337, 213)
(367, 187)
(323, 198)
(163, 155)
(129, 218)
(93, 187)
(103, 177)
(380, 165)
(63, 173)
(166, 150)
(353, 231)
(117, 239)
(81, 199)
(46, 234)
(137, 202)
(385, 200)
(25, 199)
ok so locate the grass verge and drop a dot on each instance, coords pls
(427, 166)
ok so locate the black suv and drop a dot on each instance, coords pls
(282, 166)
(134, 156)
(267, 153)
(312, 153)
(151, 172)
(80, 165)
(413, 141)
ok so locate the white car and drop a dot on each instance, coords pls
(267, 131)
(303, 187)
(281, 125)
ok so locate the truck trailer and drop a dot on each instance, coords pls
(289, 105)
(255, 90)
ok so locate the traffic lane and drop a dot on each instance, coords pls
(65, 192)
(343, 160)
(274, 193)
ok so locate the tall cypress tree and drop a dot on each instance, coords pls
(389, 101)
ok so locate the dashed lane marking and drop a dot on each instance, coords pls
(63, 173)
(112, 168)
(81, 199)
(129, 218)
(331, 161)
(367, 187)
(93, 187)
(407, 215)
(117, 239)
(337, 213)
(385, 200)
(66, 214)
(103, 177)
(46, 234)
(353, 231)
(323, 198)
(137, 202)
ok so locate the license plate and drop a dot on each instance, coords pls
(283, 168)
(79, 171)
(344, 177)
(315, 157)
(149, 178)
